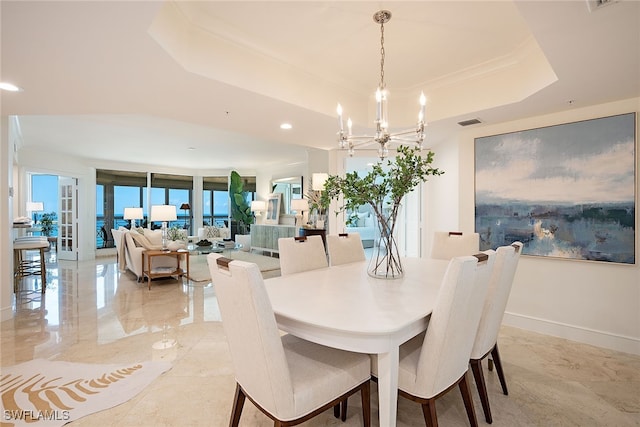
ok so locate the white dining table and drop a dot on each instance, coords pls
(343, 307)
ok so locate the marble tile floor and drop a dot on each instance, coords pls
(92, 313)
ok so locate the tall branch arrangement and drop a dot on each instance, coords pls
(383, 189)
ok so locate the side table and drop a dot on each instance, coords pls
(150, 273)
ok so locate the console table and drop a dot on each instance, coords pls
(264, 237)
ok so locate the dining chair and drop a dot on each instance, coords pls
(301, 253)
(344, 248)
(289, 379)
(486, 341)
(449, 244)
(437, 360)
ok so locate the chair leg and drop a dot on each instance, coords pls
(43, 271)
(365, 393)
(429, 412)
(476, 367)
(238, 403)
(468, 400)
(496, 359)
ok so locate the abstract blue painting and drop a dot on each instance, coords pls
(565, 191)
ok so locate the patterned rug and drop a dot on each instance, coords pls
(50, 393)
(199, 269)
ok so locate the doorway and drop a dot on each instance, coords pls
(57, 198)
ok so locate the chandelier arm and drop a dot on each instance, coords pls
(404, 132)
(413, 141)
(353, 137)
(361, 143)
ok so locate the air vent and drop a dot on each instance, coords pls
(469, 122)
(597, 4)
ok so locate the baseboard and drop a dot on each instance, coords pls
(574, 333)
(6, 313)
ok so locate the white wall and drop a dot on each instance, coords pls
(591, 302)
(6, 221)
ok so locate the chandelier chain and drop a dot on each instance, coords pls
(382, 55)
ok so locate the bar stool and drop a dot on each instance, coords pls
(24, 267)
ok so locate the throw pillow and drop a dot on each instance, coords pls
(141, 241)
(211, 232)
(154, 236)
(224, 232)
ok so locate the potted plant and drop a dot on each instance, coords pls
(318, 205)
(47, 223)
(383, 189)
(240, 207)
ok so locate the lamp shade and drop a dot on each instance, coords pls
(133, 213)
(185, 206)
(163, 213)
(258, 205)
(318, 180)
(35, 206)
(299, 205)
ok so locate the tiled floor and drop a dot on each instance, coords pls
(92, 313)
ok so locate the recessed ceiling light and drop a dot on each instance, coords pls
(191, 148)
(10, 87)
(286, 126)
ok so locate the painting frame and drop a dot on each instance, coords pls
(565, 191)
(273, 208)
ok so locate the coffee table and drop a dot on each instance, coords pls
(215, 249)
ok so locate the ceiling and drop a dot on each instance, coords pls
(205, 85)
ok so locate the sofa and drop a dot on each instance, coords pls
(131, 244)
(363, 223)
(213, 234)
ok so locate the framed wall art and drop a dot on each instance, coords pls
(565, 191)
(273, 208)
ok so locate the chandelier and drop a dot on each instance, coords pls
(383, 137)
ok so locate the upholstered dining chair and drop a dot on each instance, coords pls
(289, 379)
(301, 254)
(345, 248)
(435, 361)
(486, 341)
(449, 244)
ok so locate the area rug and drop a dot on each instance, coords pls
(52, 393)
(199, 269)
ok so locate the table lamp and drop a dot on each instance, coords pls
(257, 207)
(34, 208)
(132, 214)
(299, 206)
(318, 180)
(163, 213)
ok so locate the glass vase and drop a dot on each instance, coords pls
(385, 262)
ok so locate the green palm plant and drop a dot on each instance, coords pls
(47, 223)
(240, 207)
